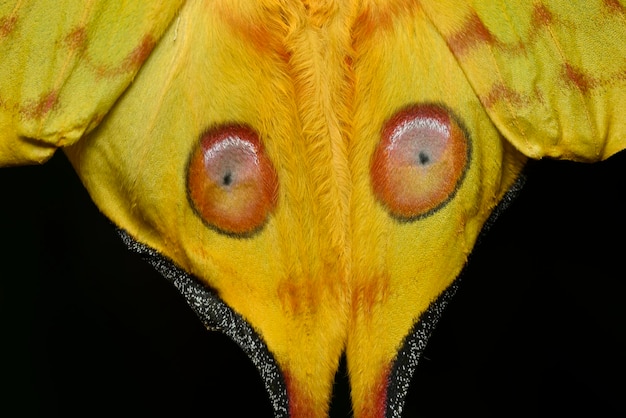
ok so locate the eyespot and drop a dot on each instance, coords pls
(231, 183)
(420, 161)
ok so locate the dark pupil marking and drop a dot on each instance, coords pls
(423, 158)
(227, 180)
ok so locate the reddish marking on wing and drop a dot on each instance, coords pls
(349, 63)
(300, 405)
(473, 34)
(376, 404)
(368, 294)
(138, 56)
(374, 18)
(260, 35)
(614, 6)
(541, 16)
(76, 40)
(576, 77)
(572, 76)
(39, 108)
(297, 298)
(7, 24)
(132, 61)
(501, 92)
(368, 22)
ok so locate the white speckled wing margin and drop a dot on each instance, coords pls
(408, 356)
(217, 316)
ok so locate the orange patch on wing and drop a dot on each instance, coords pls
(368, 22)
(541, 16)
(577, 78)
(369, 293)
(614, 6)
(131, 62)
(76, 39)
(501, 92)
(473, 34)
(297, 297)
(39, 108)
(138, 56)
(375, 17)
(7, 24)
(264, 36)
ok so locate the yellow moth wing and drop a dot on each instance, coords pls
(550, 74)
(64, 64)
(220, 68)
(401, 266)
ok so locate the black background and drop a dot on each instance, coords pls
(537, 328)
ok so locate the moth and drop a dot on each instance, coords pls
(311, 176)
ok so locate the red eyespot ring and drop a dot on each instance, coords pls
(231, 183)
(420, 161)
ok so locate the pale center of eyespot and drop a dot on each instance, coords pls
(419, 141)
(231, 161)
